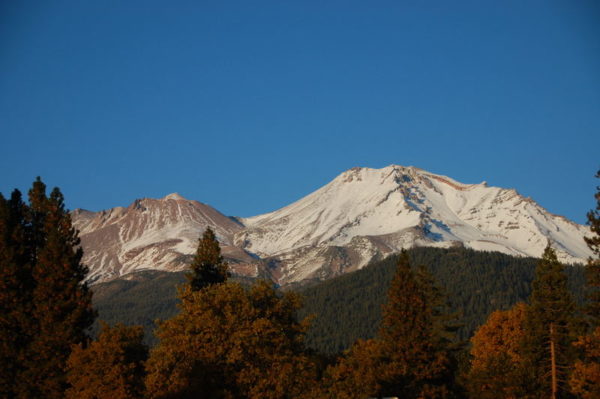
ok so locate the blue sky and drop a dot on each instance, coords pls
(249, 106)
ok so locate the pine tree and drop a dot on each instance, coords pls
(416, 356)
(444, 323)
(411, 355)
(15, 291)
(111, 367)
(62, 302)
(593, 266)
(585, 379)
(43, 276)
(547, 348)
(208, 266)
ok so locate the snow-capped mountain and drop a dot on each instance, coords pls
(366, 213)
(363, 214)
(154, 234)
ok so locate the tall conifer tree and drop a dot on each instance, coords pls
(585, 379)
(593, 266)
(547, 345)
(15, 291)
(208, 266)
(44, 259)
(62, 302)
(416, 358)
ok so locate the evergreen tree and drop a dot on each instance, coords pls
(15, 291)
(585, 379)
(547, 347)
(61, 301)
(111, 367)
(42, 271)
(416, 356)
(208, 266)
(593, 266)
(444, 322)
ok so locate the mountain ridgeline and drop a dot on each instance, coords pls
(349, 307)
(362, 215)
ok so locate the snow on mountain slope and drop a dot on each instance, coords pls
(153, 234)
(366, 213)
(362, 215)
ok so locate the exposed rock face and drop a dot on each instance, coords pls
(361, 215)
(154, 234)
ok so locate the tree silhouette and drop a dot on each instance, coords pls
(208, 266)
(547, 348)
(44, 280)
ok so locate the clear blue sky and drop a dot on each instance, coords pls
(250, 105)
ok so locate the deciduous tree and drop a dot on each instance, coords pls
(229, 342)
(112, 367)
(585, 379)
(356, 375)
(497, 369)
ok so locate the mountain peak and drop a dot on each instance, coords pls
(379, 211)
(174, 196)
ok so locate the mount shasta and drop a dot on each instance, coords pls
(362, 215)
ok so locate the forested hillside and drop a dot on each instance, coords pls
(138, 300)
(475, 283)
(349, 307)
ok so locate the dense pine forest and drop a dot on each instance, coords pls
(475, 284)
(426, 323)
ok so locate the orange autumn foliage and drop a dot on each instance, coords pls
(356, 375)
(496, 363)
(229, 342)
(111, 367)
(501, 334)
(585, 379)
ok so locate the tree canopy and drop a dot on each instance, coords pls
(229, 342)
